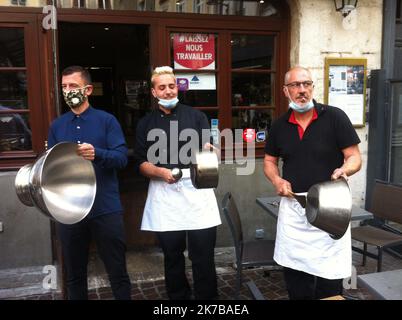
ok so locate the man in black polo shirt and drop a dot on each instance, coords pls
(175, 210)
(316, 143)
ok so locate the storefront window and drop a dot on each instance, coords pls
(253, 71)
(251, 89)
(249, 103)
(221, 7)
(24, 3)
(15, 133)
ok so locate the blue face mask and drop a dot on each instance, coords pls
(168, 104)
(301, 109)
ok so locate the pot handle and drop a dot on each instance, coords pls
(301, 198)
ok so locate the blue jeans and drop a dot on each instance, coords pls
(108, 232)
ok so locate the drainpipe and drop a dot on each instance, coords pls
(55, 63)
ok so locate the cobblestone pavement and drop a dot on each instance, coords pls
(150, 286)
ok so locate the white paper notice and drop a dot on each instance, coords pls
(346, 84)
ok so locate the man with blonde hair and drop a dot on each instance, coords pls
(175, 210)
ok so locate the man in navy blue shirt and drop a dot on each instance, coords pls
(99, 139)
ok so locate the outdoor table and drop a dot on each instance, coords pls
(385, 285)
(271, 206)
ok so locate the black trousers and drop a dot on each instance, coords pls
(108, 232)
(304, 286)
(201, 245)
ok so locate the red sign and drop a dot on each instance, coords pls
(249, 135)
(194, 51)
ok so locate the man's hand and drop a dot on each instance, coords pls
(283, 187)
(166, 175)
(339, 172)
(271, 171)
(87, 151)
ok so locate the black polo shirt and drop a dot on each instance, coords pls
(172, 125)
(313, 158)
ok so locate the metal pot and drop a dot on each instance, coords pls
(328, 206)
(204, 171)
(60, 183)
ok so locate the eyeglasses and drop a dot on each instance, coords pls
(297, 84)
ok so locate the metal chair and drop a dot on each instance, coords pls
(387, 205)
(252, 253)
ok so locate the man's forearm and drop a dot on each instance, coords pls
(352, 165)
(151, 171)
(271, 171)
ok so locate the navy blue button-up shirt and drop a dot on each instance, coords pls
(103, 131)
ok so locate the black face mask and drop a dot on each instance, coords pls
(75, 98)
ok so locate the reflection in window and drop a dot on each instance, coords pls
(180, 6)
(221, 7)
(252, 51)
(198, 98)
(21, 3)
(251, 89)
(15, 134)
(13, 90)
(259, 119)
(198, 6)
(79, 4)
(104, 4)
(12, 47)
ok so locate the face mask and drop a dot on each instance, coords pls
(74, 98)
(168, 104)
(299, 108)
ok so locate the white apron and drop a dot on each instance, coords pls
(179, 206)
(303, 247)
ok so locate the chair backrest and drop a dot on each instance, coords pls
(233, 218)
(387, 201)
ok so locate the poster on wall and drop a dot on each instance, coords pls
(345, 87)
(194, 51)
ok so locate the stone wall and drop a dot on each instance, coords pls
(318, 32)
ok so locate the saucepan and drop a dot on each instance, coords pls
(61, 184)
(328, 206)
(204, 172)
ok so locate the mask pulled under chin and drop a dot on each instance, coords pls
(75, 98)
(168, 104)
(302, 109)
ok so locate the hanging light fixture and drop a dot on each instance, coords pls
(345, 6)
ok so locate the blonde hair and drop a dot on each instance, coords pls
(160, 71)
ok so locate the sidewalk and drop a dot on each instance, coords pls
(146, 274)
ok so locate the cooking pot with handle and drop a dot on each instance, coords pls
(329, 206)
(204, 171)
